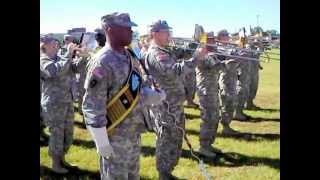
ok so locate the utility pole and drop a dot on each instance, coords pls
(258, 19)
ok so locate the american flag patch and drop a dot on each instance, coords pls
(162, 56)
(98, 72)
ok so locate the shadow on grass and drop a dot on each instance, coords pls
(233, 159)
(269, 110)
(44, 143)
(191, 116)
(229, 159)
(242, 136)
(45, 139)
(253, 119)
(47, 174)
(252, 136)
(191, 107)
(76, 109)
(80, 124)
(84, 143)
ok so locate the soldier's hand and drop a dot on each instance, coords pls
(106, 151)
(70, 48)
(101, 140)
(201, 53)
(83, 52)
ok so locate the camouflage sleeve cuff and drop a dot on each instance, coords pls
(96, 122)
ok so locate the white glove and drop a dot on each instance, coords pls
(101, 140)
(149, 79)
(152, 97)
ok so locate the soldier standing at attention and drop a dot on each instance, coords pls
(227, 85)
(254, 78)
(207, 73)
(112, 100)
(169, 74)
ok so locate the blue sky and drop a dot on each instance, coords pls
(57, 16)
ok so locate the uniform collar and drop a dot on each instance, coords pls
(153, 45)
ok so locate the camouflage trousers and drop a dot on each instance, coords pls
(81, 91)
(42, 126)
(125, 163)
(169, 137)
(59, 118)
(209, 106)
(81, 94)
(75, 88)
(190, 85)
(243, 85)
(254, 82)
(227, 96)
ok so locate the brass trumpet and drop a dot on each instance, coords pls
(187, 50)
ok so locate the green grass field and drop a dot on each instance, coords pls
(255, 156)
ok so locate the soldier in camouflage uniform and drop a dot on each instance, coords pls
(169, 74)
(208, 91)
(67, 39)
(227, 86)
(242, 87)
(254, 80)
(106, 74)
(56, 101)
(144, 43)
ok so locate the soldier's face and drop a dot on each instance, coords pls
(163, 37)
(67, 41)
(210, 41)
(52, 47)
(224, 38)
(121, 35)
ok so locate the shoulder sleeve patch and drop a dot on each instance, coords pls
(98, 72)
(162, 56)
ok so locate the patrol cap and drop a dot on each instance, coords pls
(159, 25)
(223, 32)
(210, 35)
(117, 19)
(68, 37)
(45, 39)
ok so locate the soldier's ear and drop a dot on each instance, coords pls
(109, 30)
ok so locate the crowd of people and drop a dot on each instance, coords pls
(121, 95)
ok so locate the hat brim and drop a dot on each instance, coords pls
(131, 24)
(167, 29)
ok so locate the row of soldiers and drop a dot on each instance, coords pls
(124, 96)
